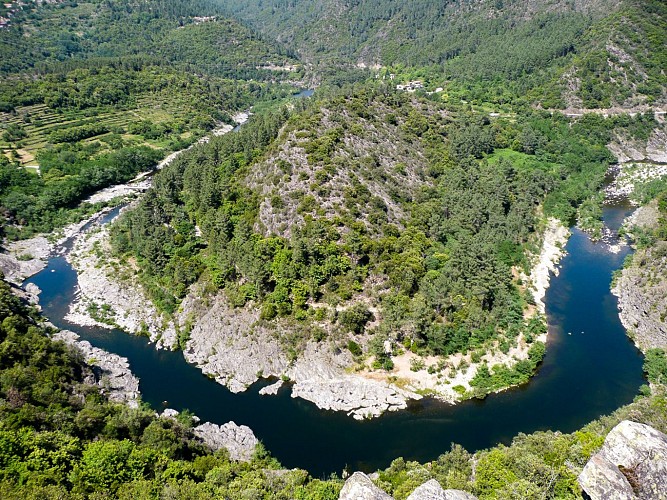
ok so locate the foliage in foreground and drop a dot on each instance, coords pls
(61, 438)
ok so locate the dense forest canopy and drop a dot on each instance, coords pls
(191, 35)
(94, 92)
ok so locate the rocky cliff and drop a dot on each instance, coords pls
(111, 372)
(642, 287)
(233, 346)
(238, 440)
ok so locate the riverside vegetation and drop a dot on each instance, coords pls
(364, 218)
(61, 438)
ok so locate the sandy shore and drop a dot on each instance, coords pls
(553, 249)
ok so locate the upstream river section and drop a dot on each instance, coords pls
(591, 368)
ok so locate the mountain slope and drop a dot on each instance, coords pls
(191, 35)
(622, 60)
(368, 219)
(591, 53)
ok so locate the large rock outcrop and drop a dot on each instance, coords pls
(234, 347)
(120, 302)
(228, 344)
(360, 487)
(431, 490)
(320, 378)
(24, 258)
(654, 149)
(641, 287)
(239, 440)
(111, 372)
(632, 464)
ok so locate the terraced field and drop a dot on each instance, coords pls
(39, 122)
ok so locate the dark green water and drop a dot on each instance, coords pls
(591, 368)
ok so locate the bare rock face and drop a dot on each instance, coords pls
(226, 344)
(357, 397)
(271, 390)
(642, 287)
(24, 258)
(631, 465)
(239, 440)
(320, 378)
(654, 149)
(360, 487)
(229, 344)
(431, 490)
(128, 306)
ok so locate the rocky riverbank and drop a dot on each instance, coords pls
(24, 258)
(109, 296)
(639, 162)
(228, 344)
(235, 348)
(111, 372)
(641, 287)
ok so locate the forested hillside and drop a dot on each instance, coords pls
(61, 35)
(591, 53)
(94, 92)
(373, 212)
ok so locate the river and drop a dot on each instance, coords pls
(591, 368)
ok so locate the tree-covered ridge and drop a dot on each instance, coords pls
(441, 278)
(389, 31)
(556, 54)
(61, 438)
(191, 35)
